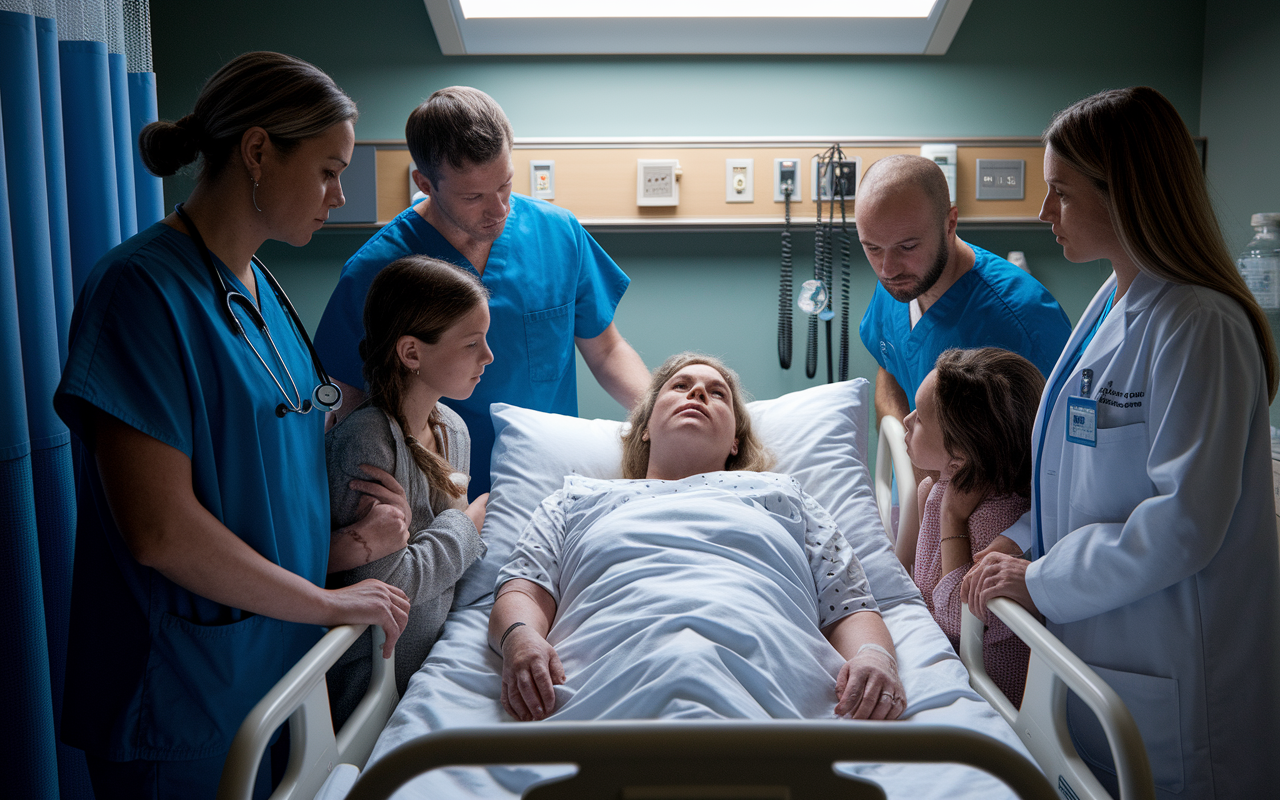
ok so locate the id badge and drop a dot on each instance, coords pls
(1082, 421)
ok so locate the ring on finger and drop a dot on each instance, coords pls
(887, 696)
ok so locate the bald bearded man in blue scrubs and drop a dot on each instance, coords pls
(551, 284)
(936, 291)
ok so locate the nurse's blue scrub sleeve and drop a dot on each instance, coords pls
(155, 672)
(549, 282)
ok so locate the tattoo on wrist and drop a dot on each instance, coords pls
(368, 551)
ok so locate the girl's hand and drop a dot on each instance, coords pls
(868, 686)
(380, 532)
(530, 668)
(997, 575)
(383, 487)
(476, 511)
(958, 506)
(373, 602)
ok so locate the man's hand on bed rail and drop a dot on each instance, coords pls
(997, 575)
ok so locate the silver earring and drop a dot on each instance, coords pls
(255, 195)
(417, 372)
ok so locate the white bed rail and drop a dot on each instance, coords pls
(684, 759)
(1041, 722)
(892, 460)
(302, 698)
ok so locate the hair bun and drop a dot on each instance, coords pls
(167, 147)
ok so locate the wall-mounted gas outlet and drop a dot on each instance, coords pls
(944, 155)
(542, 180)
(657, 182)
(1001, 179)
(786, 171)
(841, 180)
(739, 180)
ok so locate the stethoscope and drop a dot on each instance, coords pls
(326, 395)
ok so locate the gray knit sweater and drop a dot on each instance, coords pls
(440, 549)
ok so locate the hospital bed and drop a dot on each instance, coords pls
(957, 720)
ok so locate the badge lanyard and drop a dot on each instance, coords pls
(1082, 413)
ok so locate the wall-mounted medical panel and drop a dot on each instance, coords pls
(596, 179)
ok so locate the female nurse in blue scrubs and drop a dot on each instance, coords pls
(203, 530)
(1153, 523)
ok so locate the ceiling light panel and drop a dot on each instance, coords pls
(673, 9)
(755, 27)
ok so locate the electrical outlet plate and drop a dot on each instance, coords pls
(739, 180)
(792, 165)
(1001, 179)
(656, 183)
(944, 155)
(852, 172)
(542, 180)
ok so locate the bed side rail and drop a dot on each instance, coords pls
(892, 461)
(1042, 721)
(302, 698)
(722, 759)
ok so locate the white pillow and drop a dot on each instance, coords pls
(818, 435)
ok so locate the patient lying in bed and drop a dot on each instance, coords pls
(594, 618)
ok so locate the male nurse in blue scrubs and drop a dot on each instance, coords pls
(936, 291)
(551, 285)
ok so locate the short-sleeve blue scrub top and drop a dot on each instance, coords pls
(994, 304)
(549, 282)
(154, 671)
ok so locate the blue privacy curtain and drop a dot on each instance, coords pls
(75, 88)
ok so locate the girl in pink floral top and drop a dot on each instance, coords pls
(972, 430)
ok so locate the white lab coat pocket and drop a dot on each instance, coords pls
(1154, 704)
(1110, 480)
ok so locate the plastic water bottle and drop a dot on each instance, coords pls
(1259, 264)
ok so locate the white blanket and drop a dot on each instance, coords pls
(692, 599)
(704, 613)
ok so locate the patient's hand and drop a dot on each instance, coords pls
(868, 686)
(530, 668)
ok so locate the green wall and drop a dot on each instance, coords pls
(1240, 115)
(1012, 65)
(1240, 112)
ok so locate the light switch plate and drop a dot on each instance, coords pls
(656, 183)
(542, 180)
(1001, 179)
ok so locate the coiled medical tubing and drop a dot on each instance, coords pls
(817, 295)
(784, 289)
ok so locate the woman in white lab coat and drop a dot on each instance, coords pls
(1154, 530)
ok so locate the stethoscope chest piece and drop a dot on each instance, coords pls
(327, 397)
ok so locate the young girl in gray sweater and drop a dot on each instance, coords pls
(425, 323)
